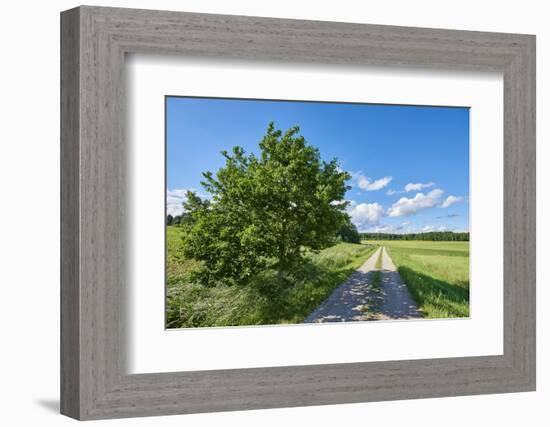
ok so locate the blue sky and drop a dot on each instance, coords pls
(410, 164)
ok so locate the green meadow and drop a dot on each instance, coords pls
(436, 273)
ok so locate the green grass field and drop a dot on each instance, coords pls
(436, 273)
(193, 305)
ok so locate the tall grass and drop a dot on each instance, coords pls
(437, 275)
(192, 305)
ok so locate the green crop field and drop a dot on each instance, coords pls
(436, 273)
(194, 305)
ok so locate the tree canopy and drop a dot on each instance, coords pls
(264, 210)
(348, 232)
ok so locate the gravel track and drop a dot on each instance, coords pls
(356, 298)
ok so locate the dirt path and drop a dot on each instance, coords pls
(357, 299)
(349, 301)
(397, 301)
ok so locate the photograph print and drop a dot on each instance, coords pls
(292, 212)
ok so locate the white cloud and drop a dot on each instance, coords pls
(379, 183)
(382, 228)
(174, 200)
(432, 228)
(385, 228)
(418, 186)
(451, 200)
(411, 186)
(364, 214)
(407, 228)
(429, 228)
(366, 184)
(410, 206)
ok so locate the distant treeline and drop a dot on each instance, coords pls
(432, 235)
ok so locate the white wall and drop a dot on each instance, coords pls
(29, 211)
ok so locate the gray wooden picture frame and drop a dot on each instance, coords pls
(94, 41)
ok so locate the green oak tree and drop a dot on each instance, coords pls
(264, 210)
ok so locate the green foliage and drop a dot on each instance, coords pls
(173, 220)
(437, 275)
(265, 210)
(432, 235)
(348, 232)
(190, 304)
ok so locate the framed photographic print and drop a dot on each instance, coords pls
(271, 234)
(261, 213)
